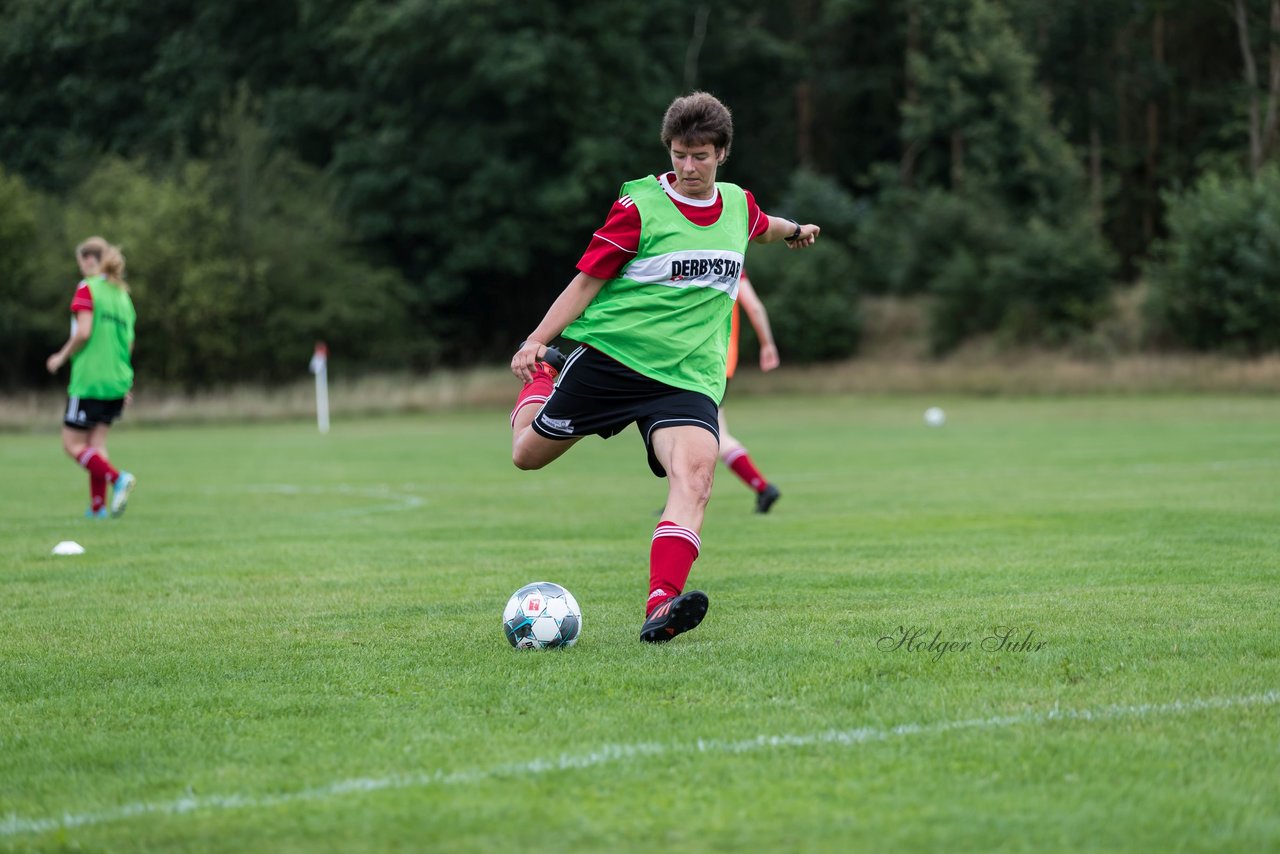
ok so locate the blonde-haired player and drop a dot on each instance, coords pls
(100, 349)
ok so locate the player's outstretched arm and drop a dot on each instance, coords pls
(573, 300)
(795, 235)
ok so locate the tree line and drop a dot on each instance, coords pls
(413, 180)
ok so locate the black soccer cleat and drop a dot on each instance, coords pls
(765, 500)
(675, 616)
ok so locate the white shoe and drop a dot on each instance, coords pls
(120, 493)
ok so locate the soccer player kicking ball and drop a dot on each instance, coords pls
(651, 304)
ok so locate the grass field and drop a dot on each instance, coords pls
(293, 642)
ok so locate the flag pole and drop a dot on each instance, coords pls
(320, 367)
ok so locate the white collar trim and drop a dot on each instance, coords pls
(665, 181)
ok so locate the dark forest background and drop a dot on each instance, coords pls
(413, 180)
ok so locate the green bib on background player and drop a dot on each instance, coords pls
(103, 369)
(667, 314)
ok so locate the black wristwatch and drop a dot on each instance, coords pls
(795, 234)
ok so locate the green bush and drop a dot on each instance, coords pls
(811, 294)
(17, 232)
(35, 290)
(1038, 284)
(237, 266)
(1215, 280)
(1025, 281)
(905, 246)
(811, 298)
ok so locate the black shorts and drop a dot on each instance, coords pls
(599, 396)
(85, 413)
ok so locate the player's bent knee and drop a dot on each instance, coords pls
(530, 451)
(527, 464)
(529, 455)
(695, 482)
(526, 461)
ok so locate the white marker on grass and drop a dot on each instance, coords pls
(68, 547)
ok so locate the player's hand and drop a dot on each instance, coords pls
(769, 358)
(53, 363)
(526, 359)
(808, 236)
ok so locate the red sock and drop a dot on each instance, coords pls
(536, 390)
(97, 465)
(745, 469)
(671, 557)
(97, 492)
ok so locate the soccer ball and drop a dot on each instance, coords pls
(542, 615)
(935, 417)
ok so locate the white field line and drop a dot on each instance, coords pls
(390, 500)
(1248, 464)
(13, 825)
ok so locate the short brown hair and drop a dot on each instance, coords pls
(697, 119)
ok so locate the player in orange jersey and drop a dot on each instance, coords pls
(732, 453)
